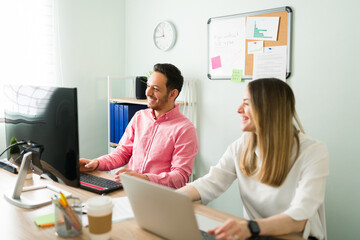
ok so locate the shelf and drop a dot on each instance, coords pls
(129, 100)
(135, 101)
(113, 145)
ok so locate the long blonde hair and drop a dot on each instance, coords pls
(272, 105)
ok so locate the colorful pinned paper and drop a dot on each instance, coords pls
(216, 62)
(237, 75)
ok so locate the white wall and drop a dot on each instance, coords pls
(92, 46)
(324, 78)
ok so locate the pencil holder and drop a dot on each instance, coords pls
(68, 218)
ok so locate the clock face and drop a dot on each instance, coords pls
(164, 36)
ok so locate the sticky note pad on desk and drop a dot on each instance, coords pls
(45, 220)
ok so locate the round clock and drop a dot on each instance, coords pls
(164, 36)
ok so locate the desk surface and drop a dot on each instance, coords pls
(18, 223)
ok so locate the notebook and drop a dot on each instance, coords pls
(163, 211)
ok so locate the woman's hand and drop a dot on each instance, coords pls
(231, 230)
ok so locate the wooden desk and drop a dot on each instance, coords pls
(18, 223)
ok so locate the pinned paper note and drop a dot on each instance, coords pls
(262, 28)
(236, 75)
(255, 47)
(216, 62)
(271, 63)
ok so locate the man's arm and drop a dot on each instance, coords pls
(131, 173)
(123, 152)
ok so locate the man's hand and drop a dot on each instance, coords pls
(87, 165)
(131, 173)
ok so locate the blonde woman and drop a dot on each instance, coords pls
(281, 172)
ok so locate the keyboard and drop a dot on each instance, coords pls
(206, 236)
(98, 184)
(8, 166)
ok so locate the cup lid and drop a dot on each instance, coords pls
(99, 202)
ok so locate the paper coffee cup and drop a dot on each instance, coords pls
(99, 211)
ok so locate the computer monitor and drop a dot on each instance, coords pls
(49, 117)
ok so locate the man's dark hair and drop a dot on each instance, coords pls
(174, 78)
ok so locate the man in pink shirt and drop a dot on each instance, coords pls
(160, 143)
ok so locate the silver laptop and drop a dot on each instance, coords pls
(163, 211)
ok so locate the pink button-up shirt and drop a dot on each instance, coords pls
(164, 149)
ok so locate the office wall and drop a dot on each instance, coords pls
(92, 46)
(324, 78)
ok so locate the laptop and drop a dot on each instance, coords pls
(163, 211)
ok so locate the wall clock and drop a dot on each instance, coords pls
(164, 36)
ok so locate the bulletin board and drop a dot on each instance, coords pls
(228, 44)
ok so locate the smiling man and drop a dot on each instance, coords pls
(160, 143)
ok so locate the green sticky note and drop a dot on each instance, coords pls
(48, 218)
(236, 75)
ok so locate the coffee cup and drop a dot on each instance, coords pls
(99, 211)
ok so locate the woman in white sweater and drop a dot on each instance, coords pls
(281, 172)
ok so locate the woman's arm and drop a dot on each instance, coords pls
(280, 224)
(191, 192)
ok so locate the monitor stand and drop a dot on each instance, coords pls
(31, 200)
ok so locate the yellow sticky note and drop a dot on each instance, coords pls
(236, 75)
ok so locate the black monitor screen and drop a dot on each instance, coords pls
(47, 116)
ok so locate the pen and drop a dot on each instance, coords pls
(72, 218)
(63, 198)
(68, 213)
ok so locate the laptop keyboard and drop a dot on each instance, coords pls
(98, 184)
(206, 236)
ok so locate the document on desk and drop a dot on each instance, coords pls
(122, 211)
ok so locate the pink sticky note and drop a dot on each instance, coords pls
(216, 62)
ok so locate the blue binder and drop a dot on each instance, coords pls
(121, 121)
(112, 122)
(116, 124)
(129, 112)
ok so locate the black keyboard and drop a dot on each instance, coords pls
(206, 236)
(98, 184)
(5, 164)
